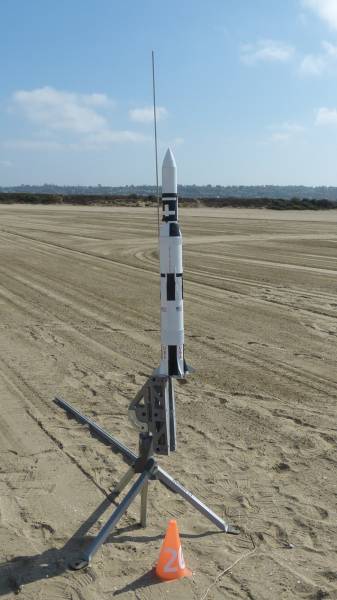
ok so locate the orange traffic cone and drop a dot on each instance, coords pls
(171, 564)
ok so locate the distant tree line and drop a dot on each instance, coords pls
(286, 192)
(140, 200)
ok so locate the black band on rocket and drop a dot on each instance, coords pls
(171, 287)
(172, 361)
(174, 230)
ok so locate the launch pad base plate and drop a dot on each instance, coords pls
(146, 467)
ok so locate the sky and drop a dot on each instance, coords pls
(246, 91)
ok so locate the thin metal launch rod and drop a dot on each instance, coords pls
(155, 137)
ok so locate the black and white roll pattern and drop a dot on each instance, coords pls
(171, 276)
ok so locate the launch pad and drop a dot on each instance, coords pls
(144, 465)
(153, 409)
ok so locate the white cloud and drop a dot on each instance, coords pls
(105, 138)
(293, 127)
(145, 114)
(97, 100)
(6, 163)
(286, 131)
(67, 120)
(267, 51)
(326, 116)
(318, 64)
(313, 64)
(31, 144)
(59, 110)
(325, 9)
(100, 139)
(330, 49)
(280, 137)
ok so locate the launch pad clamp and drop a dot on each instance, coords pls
(153, 411)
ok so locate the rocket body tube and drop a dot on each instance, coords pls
(172, 362)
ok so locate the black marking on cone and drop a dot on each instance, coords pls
(171, 286)
(172, 361)
(170, 195)
(174, 230)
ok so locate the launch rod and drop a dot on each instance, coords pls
(155, 137)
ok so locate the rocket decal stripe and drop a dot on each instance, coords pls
(170, 210)
(172, 205)
(171, 287)
(169, 195)
(174, 230)
(172, 360)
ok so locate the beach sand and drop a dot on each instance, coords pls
(256, 423)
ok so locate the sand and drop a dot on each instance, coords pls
(79, 316)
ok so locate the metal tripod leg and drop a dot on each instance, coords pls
(162, 475)
(115, 517)
(143, 504)
(123, 482)
(177, 488)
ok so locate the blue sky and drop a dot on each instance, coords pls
(246, 90)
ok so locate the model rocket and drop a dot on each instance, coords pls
(172, 362)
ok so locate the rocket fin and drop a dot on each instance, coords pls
(188, 369)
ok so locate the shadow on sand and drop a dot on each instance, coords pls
(22, 570)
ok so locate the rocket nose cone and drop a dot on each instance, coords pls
(169, 162)
(169, 174)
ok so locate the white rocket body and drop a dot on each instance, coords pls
(172, 362)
